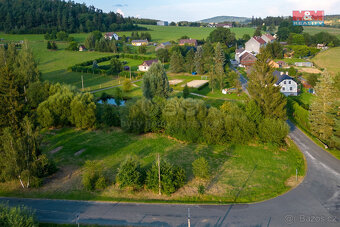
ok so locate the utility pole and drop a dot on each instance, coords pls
(188, 217)
(82, 82)
(159, 175)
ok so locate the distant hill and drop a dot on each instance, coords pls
(220, 19)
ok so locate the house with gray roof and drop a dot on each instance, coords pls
(288, 85)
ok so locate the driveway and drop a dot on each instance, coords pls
(315, 202)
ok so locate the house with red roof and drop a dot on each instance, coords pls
(254, 44)
(268, 38)
(247, 59)
(146, 65)
(190, 42)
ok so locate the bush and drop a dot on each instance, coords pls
(201, 189)
(200, 168)
(273, 131)
(17, 216)
(93, 176)
(129, 174)
(172, 178)
(127, 85)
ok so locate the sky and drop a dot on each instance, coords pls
(195, 10)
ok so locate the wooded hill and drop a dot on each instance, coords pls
(40, 16)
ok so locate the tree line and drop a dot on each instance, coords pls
(41, 16)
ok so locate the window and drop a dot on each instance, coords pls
(284, 82)
(290, 82)
(291, 88)
(283, 89)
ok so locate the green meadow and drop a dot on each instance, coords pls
(239, 173)
(329, 60)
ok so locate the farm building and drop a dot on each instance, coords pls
(162, 23)
(146, 65)
(140, 42)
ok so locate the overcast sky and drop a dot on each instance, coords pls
(194, 10)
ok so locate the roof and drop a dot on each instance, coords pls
(139, 41)
(190, 41)
(259, 39)
(280, 78)
(82, 46)
(269, 36)
(110, 33)
(247, 55)
(281, 62)
(149, 62)
(240, 50)
(166, 43)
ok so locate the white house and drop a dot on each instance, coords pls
(288, 86)
(146, 65)
(254, 44)
(268, 38)
(111, 35)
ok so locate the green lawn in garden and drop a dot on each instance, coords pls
(239, 173)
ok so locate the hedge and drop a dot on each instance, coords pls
(298, 113)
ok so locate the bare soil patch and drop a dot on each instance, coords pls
(56, 150)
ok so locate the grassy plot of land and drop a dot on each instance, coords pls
(239, 173)
(313, 30)
(329, 60)
(167, 33)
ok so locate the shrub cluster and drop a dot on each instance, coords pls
(299, 114)
(93, 176)
(17, 216)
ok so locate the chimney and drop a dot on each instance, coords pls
(287, 73)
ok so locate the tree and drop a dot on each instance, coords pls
(283, 33)
(54, 46)
(127, 85)
(90, 41)
(129, 174)
(83, 111)
(93, 176)
(208, 56)
(199, 60)
(258, 31)
(219, 60)
(142, 49)
(116, 66)
(190, 61)
(155, 82)
(275, 50)
(246, 37)
(222, 35)
(262, 89)
(49, 45)
(292, 71)
(273, 131)
(176, 62)
(186, 91)
(321, 119)
(200, 168)
(163, 55)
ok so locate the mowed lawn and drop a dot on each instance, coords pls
(168, 33)
(239, 173)
(329, 60)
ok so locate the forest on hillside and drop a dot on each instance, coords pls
(41, 16)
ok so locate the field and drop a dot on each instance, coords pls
(239, 173)
(168, 33)
(329, 60)
(313, 30)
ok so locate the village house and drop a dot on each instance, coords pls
(82, 48)
(111, 35)
(163, 45)
(190, 42)
(146, 65)
(254, 44)
(321, 46)
(288, 85)
(268, 38)
(247, 59)
(162, 23)
(140, 42)
(224, 25)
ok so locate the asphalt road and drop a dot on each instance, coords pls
(315, 202)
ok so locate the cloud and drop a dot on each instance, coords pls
(327, 5)
(120, 12)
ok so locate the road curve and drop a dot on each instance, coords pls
(315, 202)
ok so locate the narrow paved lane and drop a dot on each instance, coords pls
(316, 202)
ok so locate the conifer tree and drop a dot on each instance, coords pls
(321, 118)
(190, 61)
(263, 90)
(176, 62)
(155, 82)
(49, 45)
(219, 65)
(208, 56)
(199, 64)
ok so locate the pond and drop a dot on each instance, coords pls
(111, 101)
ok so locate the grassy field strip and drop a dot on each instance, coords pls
(329, 60)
